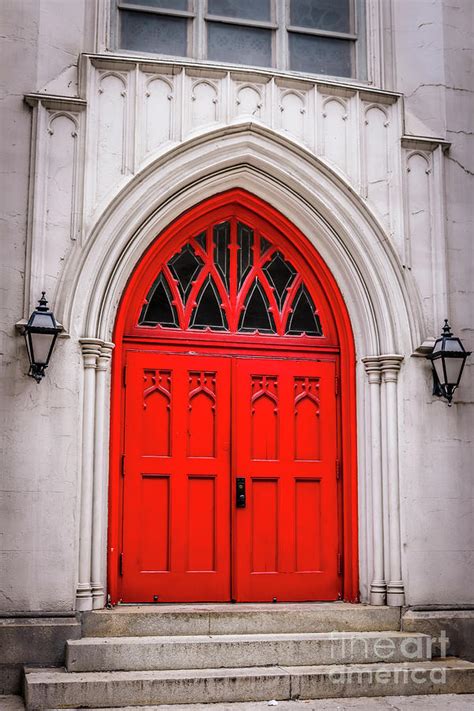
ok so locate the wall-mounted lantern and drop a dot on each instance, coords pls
(447, 361)
(40, 335)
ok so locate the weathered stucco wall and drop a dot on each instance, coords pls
(434, 72)
(39, 426)
(50, 212)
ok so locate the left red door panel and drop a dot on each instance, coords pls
(176, 487)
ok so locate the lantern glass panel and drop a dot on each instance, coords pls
(41, 344)
(42, 320)
(438, 366)
(454, 346)
(453, 368)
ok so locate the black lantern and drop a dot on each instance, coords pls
(40, 334)
(447, 360)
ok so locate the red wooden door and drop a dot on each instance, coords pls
(286, 543)
(176, 489)
(178, 503)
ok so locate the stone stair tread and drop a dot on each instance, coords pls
(244, 618)
(244, 638)
(57, 688)
(242, 650)
(61, 675)
(434, 702)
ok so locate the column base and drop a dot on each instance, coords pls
(396, 594)
(98, 597)
(378, 591)
(83, 599)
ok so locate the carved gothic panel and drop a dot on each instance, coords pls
(59, 207)
(249, 102)
(377, 162)
(204, 104)
(293, 114)
(419, 227)
(264, 413)
(111, 132)
(156, 422)
(307, 445)
(335, 132)
(202, 414)
(158, 107)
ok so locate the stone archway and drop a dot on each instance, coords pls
(382, 308)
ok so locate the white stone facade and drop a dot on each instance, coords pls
(102, 150)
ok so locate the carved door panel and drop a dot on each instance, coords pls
(176, 486)
(286, 542)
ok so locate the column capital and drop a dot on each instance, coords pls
(372, 368)
(106, 349)
(90, 348)
(390, 366)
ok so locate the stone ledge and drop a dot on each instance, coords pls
(458, 625)
(32, 640)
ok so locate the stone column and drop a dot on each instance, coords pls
(90, 353)
(100, 477)
(378, 585)
(390, 365)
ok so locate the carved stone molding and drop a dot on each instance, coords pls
(382, 373)
(91, 582)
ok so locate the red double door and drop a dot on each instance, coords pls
(230, 487)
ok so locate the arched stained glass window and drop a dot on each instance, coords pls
(231, 279)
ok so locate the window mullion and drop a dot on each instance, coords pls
(199, 30)
(281, 9)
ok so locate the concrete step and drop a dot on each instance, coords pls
(248, 650)
(144, 620)
(430, 702)
(57, 688)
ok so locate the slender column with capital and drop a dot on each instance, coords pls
(100, 477)
(378, 585)
(90, 352)
(390, 365)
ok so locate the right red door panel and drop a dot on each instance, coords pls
(286, 541)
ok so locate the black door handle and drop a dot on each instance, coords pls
(240, 498)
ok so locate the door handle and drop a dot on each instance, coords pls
(240, 496)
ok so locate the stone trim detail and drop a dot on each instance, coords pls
(382, 374)
(91, 565)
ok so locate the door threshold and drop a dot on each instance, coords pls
(237, 607)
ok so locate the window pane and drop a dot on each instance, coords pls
(221, 251)
(164, 4)
(239, 45)
(320, 55)
(255, 315)
(329, 15)
(143, 32)
(208, 312)
(280, 274)
(303, 317)
(185, 267)
(159, 307)
(248, 9)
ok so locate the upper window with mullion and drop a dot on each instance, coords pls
(316, 36)
(240, 28)
(321, 37)
(157, 26)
